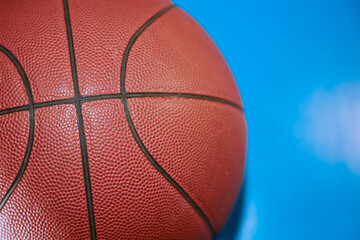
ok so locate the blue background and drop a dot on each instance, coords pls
(297, 64)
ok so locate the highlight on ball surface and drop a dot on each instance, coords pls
(118, 120)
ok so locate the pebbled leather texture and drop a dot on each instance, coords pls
(101, 32)
(200, 144)
(176, 55)
(13, 93)
(14, 131)
(49, 202)
(35, 32)
(165, 157)
(131, 199)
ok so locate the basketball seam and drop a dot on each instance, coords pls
(30, 141)
(183, 95)
(81, 127)
(90, 98)
(134, 131)
(79, 99)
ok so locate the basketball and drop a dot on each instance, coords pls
(119, 119)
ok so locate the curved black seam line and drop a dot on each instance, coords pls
(131, 43)
(159, 94)
(39, 105)
(163, 172)
(15, 109)
(81, 128)
(21, 72)
(183, 95)
(25, 160)
(55, 102)
(30, 141)
(91, 98)
(99, 97)
(79, 99)
(135, 133)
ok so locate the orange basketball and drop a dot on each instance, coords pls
(119, 119)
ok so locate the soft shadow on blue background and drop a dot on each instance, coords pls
(297, 64)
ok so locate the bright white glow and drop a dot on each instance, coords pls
(330, 124)
(249, 227)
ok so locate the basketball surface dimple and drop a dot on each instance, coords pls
(119, 119)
